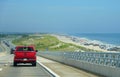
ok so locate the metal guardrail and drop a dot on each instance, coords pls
(100, 58)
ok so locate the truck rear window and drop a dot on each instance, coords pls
(24, 49)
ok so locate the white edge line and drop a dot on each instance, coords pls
(48, 69)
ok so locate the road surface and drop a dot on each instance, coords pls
(8, 70)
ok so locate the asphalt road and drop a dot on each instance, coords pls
(23, 70)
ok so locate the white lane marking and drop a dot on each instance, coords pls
(53, 73)
(1, 69)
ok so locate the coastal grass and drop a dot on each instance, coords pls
(46, 42)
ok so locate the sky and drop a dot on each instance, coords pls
(60, 16)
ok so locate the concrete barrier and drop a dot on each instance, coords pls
(63, 57)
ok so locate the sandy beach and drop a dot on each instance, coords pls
(78, 41)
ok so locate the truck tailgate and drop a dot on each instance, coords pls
(25, 54)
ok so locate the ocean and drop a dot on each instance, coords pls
(109, 38)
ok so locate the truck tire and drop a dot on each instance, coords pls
(15, 64)
(34, 64)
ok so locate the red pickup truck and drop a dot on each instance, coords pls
(25, 54)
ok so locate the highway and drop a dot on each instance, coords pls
(26, 70)
(48, 69)
(22, 70)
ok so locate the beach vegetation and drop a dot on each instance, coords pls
(46, 42)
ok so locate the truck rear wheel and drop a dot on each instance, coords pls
(34, 64)
(15, 64)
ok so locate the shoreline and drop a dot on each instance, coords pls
(84, 42)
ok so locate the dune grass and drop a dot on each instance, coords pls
(48, 43)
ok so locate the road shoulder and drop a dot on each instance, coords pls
(64, 70)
